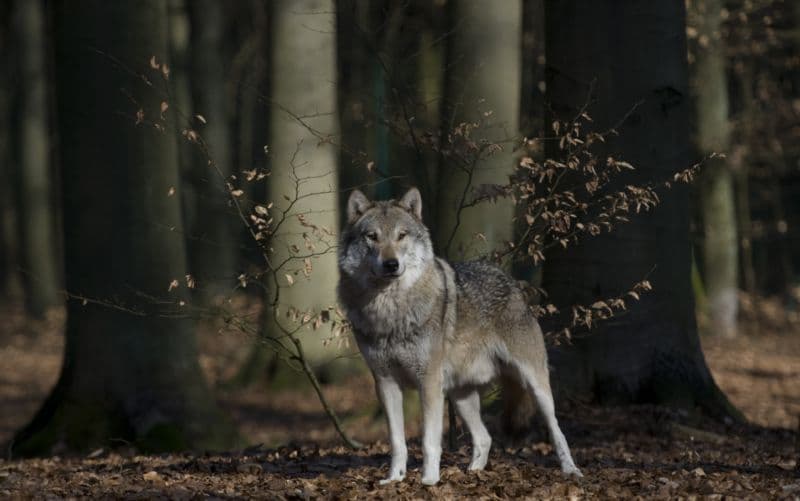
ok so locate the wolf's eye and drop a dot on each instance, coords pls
(371, 236)
(401, 235)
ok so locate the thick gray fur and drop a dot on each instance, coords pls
(443, 330)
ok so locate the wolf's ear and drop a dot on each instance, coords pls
(412, 202)
(357, 204)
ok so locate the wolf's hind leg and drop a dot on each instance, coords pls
(469, 408)
(391, 396)
(539, 383)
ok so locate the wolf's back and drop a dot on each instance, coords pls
(487, 294)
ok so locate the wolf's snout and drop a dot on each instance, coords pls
(391, 265)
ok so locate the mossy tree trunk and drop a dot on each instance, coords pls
(130, 371)
(35, 212)
(717, 200)
(651, 353)
(214, 226)
(482, 85)
(303, 180)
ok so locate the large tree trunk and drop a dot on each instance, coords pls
(651, 353)
(304, 167)
(130, 369)
(717, 201)
(482, 85)
(35, 214)
(189, 155)
(8, 239)
(430, 81)
(355, 52)
(213, 226)
(250, 134)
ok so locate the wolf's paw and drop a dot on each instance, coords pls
(480, 455)
(393, 477)
(478, 463)
(430, 479)
(572, 472)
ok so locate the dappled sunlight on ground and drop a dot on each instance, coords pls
(646, 451)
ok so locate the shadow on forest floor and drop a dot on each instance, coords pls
(635, 451)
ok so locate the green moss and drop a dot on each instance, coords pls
(163, 437)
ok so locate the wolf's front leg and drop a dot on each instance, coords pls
(391, 396)
(432, 395)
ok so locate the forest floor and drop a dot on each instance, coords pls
(642, 451)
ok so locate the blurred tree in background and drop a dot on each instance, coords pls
(8, 240)
(273, 110)
(35, 221)
(303, 184)
(482, 85)
(130, 367)
(211, 223)
(716, 189)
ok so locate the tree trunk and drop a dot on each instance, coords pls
(482, 46)
(717, 201)
(213, 228)
(188, 154)
(130, 372)
(378, 52)
(651, 352)
(431, 85)
(251, 131)
(35, 214)
(741, 156)
(8, 241)
(304, 167)
(355, 84)
(532, 115)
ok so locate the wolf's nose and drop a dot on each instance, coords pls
(391, 265)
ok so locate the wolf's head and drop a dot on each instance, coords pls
(385, 242)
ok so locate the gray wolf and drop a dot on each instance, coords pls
(444, 330)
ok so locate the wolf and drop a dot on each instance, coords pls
(445, 330)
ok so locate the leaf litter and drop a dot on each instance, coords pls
(642, 452)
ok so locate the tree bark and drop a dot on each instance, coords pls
(35, 214)
(741, 156)
(717, 200)
(189, 155)
(624, 53)
(130, 371)
(482, 45)
(8, 240)
(213, 246)
(356, 106)
(251, 131)
(304, 167)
